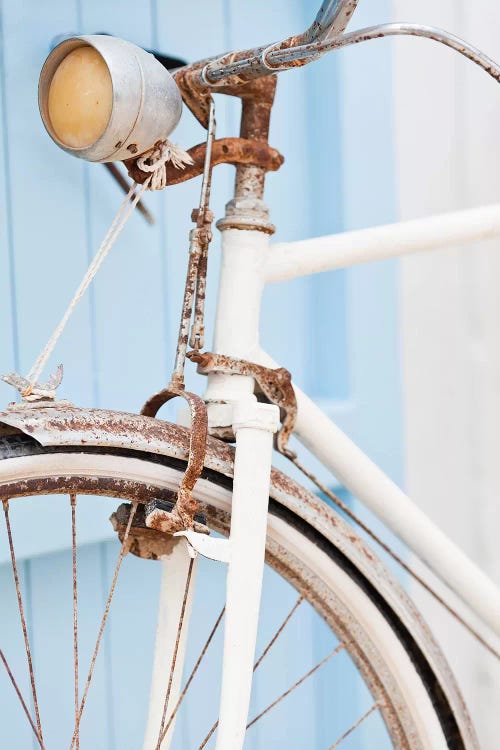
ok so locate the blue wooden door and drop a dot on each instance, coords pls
(336, 333)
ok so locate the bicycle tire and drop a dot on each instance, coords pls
(309, 544)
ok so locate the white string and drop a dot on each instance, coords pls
(154, 162)
(114, 231)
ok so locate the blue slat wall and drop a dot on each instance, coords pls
(337, 333)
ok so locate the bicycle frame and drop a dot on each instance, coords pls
(249, 262)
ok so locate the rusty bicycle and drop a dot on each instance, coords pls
(205, 488)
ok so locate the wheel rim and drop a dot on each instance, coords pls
(124, 476)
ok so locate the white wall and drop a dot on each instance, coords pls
(448, 156)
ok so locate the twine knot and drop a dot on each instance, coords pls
(156, 159)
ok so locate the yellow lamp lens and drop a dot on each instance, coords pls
(80, 98)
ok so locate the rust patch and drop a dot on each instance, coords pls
(84, 485)
(143, 541)
(147, 540)
(196, 93)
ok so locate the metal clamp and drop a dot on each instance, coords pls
(225, 151)
(276, 385)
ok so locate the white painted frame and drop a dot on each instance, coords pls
(248, 264)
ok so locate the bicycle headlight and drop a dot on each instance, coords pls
(104, 99)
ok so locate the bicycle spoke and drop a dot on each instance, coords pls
(296, 685)
(104, 619)
(209, 735)
(191, 676)
(260, 659)
(174, 655)
(23, 619)
(19, 695)
(279, 632)
(354, 726)
(75, 615)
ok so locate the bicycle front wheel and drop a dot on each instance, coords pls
(309, 546)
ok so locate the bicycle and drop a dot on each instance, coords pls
(49, 447)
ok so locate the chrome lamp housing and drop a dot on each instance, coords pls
(146, 102)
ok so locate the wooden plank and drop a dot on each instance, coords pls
(128, 294)
(369, 199)
(8, 319)
(326, 313)
(450, 340)
(47, 211)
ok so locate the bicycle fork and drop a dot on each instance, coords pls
(254, 425)
(230, 398)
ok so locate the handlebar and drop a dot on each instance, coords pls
(325, 34)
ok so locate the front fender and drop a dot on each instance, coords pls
(69, 426)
